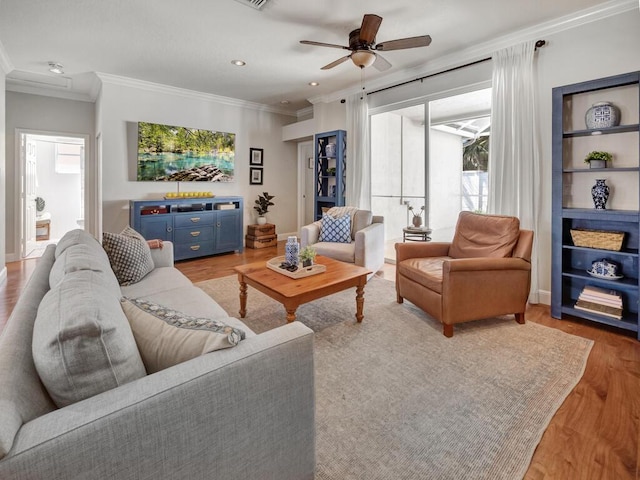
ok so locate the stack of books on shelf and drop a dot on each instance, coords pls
(601, 301)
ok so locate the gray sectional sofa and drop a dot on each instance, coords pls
(245, 412)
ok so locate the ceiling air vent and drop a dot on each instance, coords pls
(257, 4)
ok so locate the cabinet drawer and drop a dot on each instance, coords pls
(191, 250)
(191, 219)
(201, 233)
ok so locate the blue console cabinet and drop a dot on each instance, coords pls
(196, 226)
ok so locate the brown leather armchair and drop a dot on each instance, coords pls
(485, 271)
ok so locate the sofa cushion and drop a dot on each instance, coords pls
(479, 235)
(425, 271)
(83, 257)
(129, 254)
(335, 229)
(160, 280)
(77, 237)
(82, 343)
(166, 337)
(344, 252)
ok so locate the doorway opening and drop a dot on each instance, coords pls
(52, 187)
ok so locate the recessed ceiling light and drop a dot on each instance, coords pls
(284, 102)
(238, 63)
(314, 84)
(55, 67)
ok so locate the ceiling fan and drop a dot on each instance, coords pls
(363, 47)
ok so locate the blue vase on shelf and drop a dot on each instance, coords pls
(600, 194)
(292, 251)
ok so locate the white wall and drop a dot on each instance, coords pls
(45, 114)
(569, 57)
(121, 106)
(61, 192)
(3, 199)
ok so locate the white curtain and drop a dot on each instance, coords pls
(358, 163)
(514, 157)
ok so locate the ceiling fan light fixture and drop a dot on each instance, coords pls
(314, 84)
(363, 58)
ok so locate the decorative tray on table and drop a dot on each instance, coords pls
(301, 272)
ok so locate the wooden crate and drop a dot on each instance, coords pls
(256, 230)
(251, 241)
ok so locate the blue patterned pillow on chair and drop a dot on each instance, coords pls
(335, 229)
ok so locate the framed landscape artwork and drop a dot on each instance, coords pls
(167, 153)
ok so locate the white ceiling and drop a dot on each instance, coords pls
(190, 44)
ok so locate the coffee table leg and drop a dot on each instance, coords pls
(243, 298)
(359, 303)
(291, 314)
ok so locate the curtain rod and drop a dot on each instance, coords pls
(539, 44)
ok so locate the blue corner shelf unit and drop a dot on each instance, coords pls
(196, 226)
(572, 206)
(330, 170)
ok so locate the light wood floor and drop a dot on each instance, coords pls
(595, 433)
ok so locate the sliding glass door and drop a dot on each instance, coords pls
(432, 155)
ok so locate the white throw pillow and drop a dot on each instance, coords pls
(166, 337)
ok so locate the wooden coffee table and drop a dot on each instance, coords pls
(294, 292)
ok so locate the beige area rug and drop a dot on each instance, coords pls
(395, 399)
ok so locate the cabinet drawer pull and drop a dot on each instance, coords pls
(195, 234)
(195, 219)
(195, 247)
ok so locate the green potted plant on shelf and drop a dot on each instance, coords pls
(262, 206)
(597, 159)
(307, 255)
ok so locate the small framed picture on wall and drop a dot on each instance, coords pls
(255, 156)
(255, 176)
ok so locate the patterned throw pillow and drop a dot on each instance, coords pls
(129, 255)
(166, 337)
(335, 229)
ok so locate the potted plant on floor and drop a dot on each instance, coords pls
(597, 159)
(307, 255)
(262, 206)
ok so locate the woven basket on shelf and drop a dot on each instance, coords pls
(597, 239)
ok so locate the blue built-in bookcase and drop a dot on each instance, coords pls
(572, 204)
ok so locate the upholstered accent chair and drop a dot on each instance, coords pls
(364, 245)
(485, 271)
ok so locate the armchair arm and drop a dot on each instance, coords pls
(474, 288)
(370, 247)
(163, 257)
(421, 250)
(484, 264)
(243, 412)
(309, 234)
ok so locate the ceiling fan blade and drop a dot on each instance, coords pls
(320, 44)
(411, 42)
(381, 64)
(369, 29)
(336, 62)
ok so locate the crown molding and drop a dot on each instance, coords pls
(192, 94)
(487, 49)
(305, 112)
(22, 86)
(5, 62)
